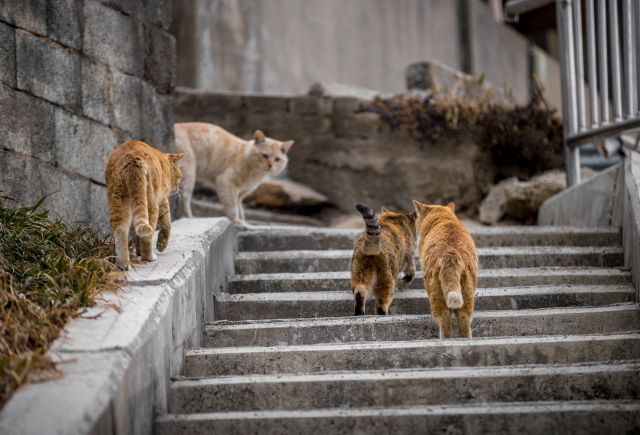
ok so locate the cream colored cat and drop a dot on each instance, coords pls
(232, 165)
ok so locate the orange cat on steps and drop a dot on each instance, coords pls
(450, 264)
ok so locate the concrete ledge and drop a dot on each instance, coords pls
(116, 367)
(594, 202)
(631, 218)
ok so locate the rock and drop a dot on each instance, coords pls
(286, 194)
(328, 88)
(524, 198)
(492, 206)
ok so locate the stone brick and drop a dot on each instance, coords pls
(310, 105)
(157, 119)
(153, 12)
(159, 58)
(64, 22)
(360, 124)
(28, 180)
(26, 124)
(127, 103)
(346, 104)
(97, 91)
(48, 71)
(195, 103)
(83, 146)
(26, 14)
(99, 209)
(113, 38)
(7, 55)
(265, 103)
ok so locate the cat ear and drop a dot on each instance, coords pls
(258, 137)
(452, 207)
(176, 157)
(419, 206)
(384, 210)
(285, 146)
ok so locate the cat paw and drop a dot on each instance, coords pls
(122, 265)
(405, 281)
(154, 257)
(162, 242)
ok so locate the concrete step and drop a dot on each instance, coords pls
(527, 418)
(284, 239)
(556, 321)
(488, 258)
(328, 281)
(340, 303)
(241, 361)
(408, 387)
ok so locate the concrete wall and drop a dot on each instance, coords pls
(116, 367)
(78, 78)
(595, 202)
(284, 46)
(347, 154)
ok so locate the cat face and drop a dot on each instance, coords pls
(270, 155)
(176, 172)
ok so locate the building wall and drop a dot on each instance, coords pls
(78, 78)
(284, 46)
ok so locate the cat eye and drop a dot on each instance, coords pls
(266, 156)
(277, 159)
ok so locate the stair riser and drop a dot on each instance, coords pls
(440, 355)
(419, 390)
(257, 241)
(423, 327)
(341, 306)
(331, 284)
(577, 422)
(489, 261)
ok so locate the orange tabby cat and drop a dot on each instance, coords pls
(139, 182)
(450, 264)
(384, 249)
(232, 165)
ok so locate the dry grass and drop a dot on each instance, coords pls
(521, 139)
(49, 271)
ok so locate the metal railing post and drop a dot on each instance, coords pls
(603, 65)
(569, 87)
(592, 62)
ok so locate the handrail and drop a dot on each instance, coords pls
(611, 67)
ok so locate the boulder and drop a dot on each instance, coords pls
(285, 194)
(492, 207)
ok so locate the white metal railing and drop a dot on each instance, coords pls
(610, 64)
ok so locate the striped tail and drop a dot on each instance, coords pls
(136, 179)
(372, 235)
(451, 268)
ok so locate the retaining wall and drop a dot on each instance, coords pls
(116, 367)
(347, 154)
(78, 78)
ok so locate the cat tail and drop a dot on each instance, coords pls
(136, 179)
(451, 268)
(372, 239)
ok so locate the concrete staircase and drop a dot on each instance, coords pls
(556, 345)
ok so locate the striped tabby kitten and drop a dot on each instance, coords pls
(450, 264)
(139, 182)
(384, 249)
(232, 165)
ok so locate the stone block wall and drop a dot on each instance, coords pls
(347, 154)
(78, 78)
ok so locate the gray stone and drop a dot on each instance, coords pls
(488, 258)
(30, 15)
(99, 208)
(591, 418)
(492, 208)
(407, 354)
(65, 19)
(265, 103)
(329, 281)
(339, 302)
(409, 387)
(159, 58)
(361, 124)
(29, 180)
(310, 105)
(7, 55)
(128, 100)
(114, 38)
(287, 332)
(346, 104)
(153, 12)
(97, 91)
(49, 71)
(27, 124)
(156, 115)
(83, 146)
